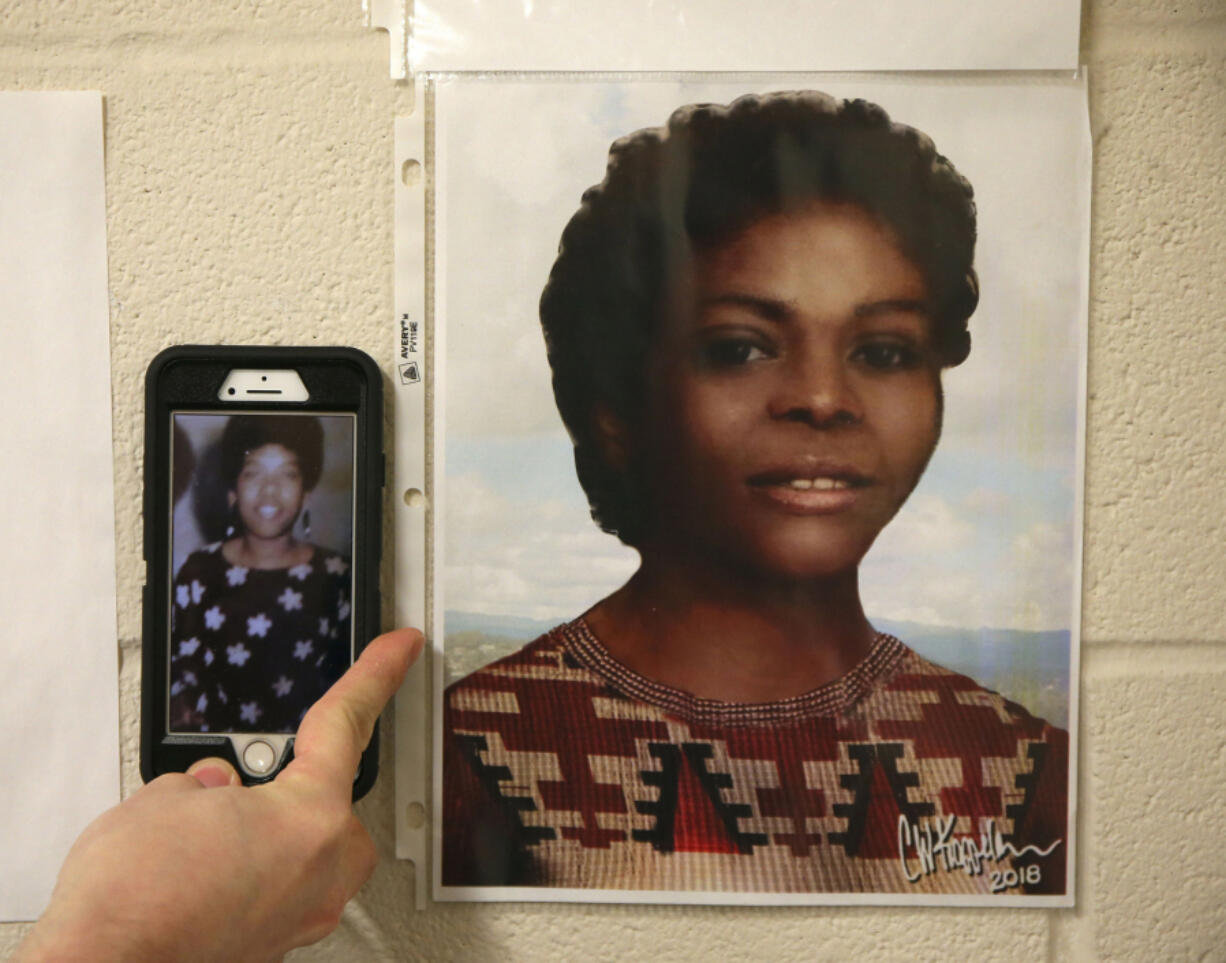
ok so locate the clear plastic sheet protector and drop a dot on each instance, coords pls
(979, 572)
(407, 481)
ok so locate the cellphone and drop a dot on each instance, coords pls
(263, 486)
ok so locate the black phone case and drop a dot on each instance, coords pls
(338, 379)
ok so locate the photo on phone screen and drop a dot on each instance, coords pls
(261, 579)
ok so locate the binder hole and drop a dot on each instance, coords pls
(410, 173)
(415, 815)
(414, 498)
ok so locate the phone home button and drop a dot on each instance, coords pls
(259, 757)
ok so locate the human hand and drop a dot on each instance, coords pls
(196, 867)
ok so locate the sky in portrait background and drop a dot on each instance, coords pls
(330, 503)
(976, 571)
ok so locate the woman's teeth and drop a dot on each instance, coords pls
(821, 484)
(268, 511)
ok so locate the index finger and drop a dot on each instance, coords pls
(337, 728)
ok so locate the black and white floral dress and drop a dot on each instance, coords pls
(252, 649)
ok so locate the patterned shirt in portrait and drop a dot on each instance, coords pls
(252, 649)
(564, 767)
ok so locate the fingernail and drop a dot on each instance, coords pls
(211, 777)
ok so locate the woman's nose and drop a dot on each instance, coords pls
(815, 388)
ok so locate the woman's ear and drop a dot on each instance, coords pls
(613, 437)
(231, 500)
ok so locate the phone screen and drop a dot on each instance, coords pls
(261, 580)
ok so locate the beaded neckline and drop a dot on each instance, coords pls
(833, 698)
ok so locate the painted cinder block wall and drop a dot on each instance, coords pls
(248, 176)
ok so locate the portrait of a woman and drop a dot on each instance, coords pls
(260, 624)
(747, 324)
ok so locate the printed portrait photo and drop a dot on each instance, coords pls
(758, 453)
(261, 548)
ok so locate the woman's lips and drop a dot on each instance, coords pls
(809, 491)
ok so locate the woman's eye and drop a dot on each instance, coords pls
(732, 352)
(888, 355)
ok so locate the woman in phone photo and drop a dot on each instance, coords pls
(747, 324)
(260, 624)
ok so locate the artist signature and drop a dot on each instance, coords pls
(937, 849)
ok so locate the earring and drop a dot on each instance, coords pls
(306, 523)
(232, 522)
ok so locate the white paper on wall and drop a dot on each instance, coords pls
(59, 710)
(774, 35)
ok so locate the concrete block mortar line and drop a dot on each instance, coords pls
(203, 53)
(1121, 38)
(1124, 659)
(1071, 932)
(1100, 40)
(212, 34)
(129, 654)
